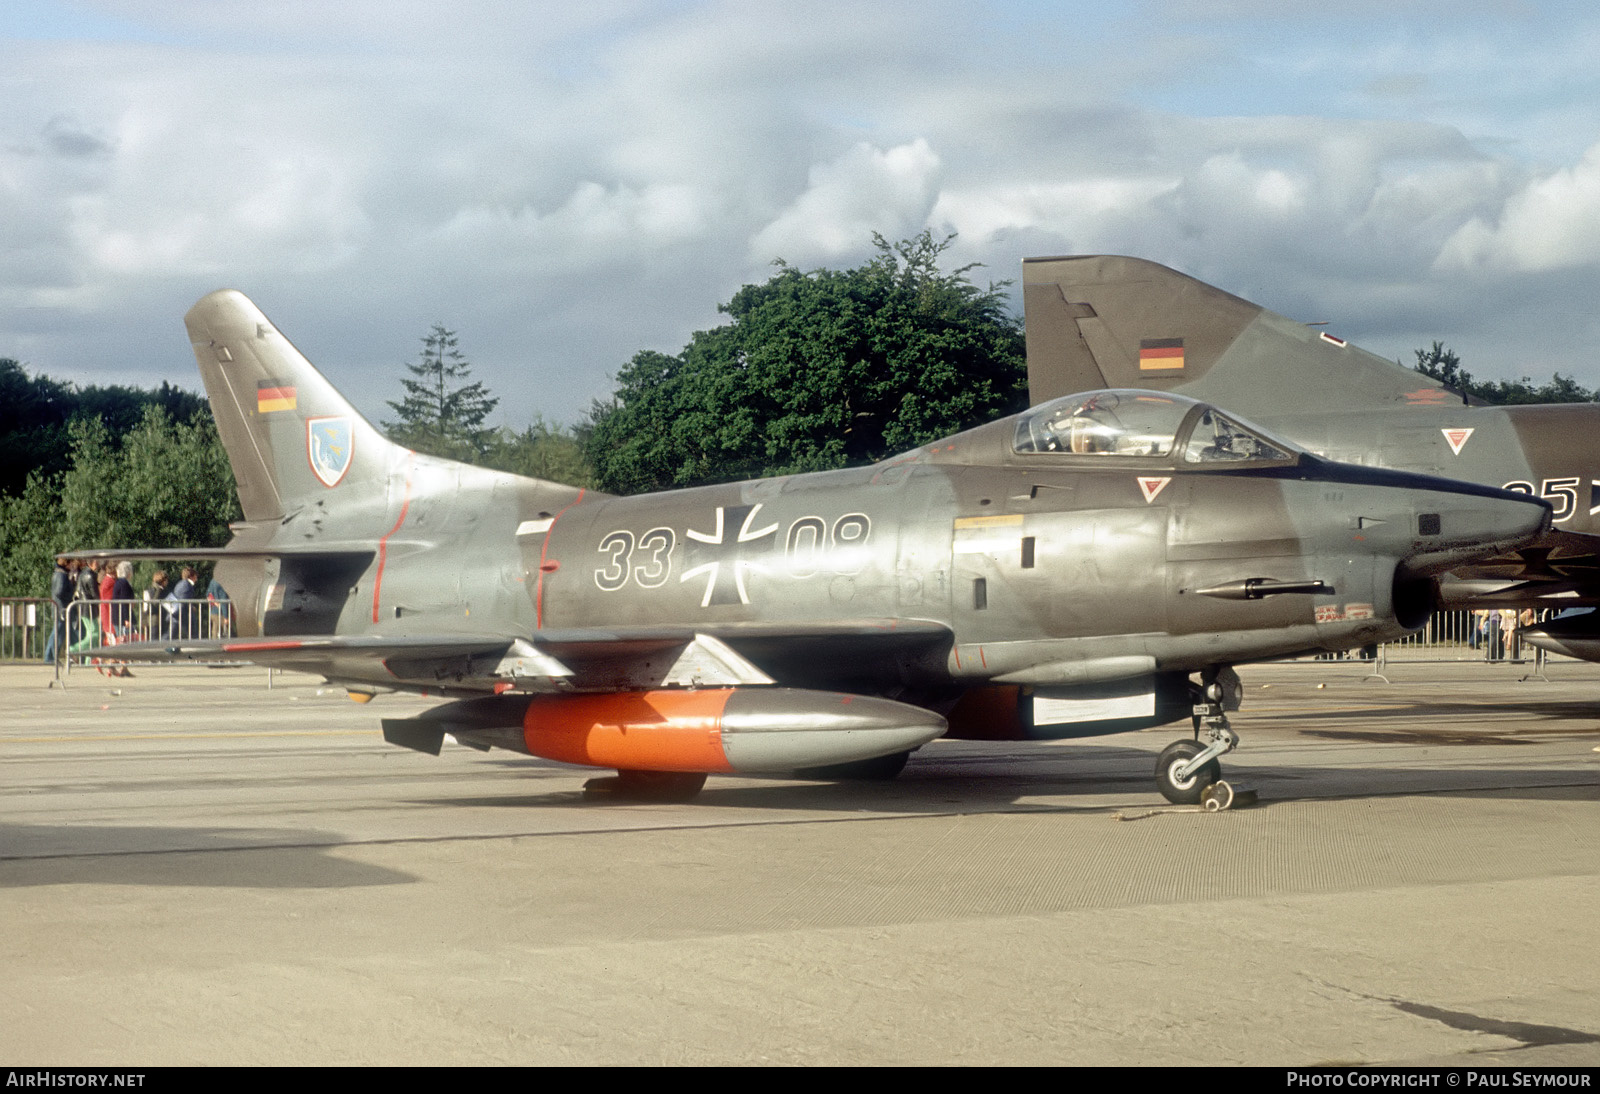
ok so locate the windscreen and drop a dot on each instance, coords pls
(1105, 423)
(1219, 438)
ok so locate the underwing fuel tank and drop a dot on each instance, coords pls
(1574, 636)
(747, 730)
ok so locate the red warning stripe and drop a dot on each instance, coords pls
(383, 544)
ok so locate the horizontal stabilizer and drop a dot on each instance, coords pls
(444, 662)
(353, 553)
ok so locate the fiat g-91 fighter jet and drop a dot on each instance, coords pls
(1063, 572)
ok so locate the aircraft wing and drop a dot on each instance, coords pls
(573, 659)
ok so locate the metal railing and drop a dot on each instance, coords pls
(106, 623)
(25, 625)
(1488, 636)
(1452, 637)
(1466, 636)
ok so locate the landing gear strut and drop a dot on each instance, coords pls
(1187, 772)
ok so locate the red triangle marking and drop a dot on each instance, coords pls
(1152, 487)
(1457, 438)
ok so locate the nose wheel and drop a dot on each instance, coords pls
(1179, 779)
(1187, 772)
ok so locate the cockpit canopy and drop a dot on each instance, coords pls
(1149, 425)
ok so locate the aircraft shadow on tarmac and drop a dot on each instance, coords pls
(284, 858)
(1444, 722)
(1094, 777)
(1101, 780)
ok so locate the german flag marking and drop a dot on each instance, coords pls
(274, 395)
(1160, 354)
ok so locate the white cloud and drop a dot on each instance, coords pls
(568, 187)
(1080, 210)
(865, 190)
(1551, 223)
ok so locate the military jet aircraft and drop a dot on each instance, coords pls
(1103, 320)
(1062, 572)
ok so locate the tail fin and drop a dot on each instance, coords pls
(288, 433)
(1105, 321)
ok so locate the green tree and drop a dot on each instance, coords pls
(541, 451)
(28, 536)
(442, 414)
(168, 484)
(814, 370)
(1444, 365)
(35, 412)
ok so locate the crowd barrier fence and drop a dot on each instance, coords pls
(25, 624)
(106, 623)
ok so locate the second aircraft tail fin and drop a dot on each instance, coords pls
(1098, 321)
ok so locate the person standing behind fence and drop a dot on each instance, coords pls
(155, 598)
(108, 579)
(196, 605)
(221, 610)
(87, 597)
(122, 597)
(63, 582)
(115, 610)
(183, 596)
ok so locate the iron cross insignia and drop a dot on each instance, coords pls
(720, 557)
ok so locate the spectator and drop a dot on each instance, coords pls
(159, 619)
(62, 584)
(87, 597)
(183, 596)
(116, 611)
(122, 596)
(108, 580)
(221, 610)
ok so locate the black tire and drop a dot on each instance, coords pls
(877, 769)
(1188, 791)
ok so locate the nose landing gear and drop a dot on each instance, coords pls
(1187, 772)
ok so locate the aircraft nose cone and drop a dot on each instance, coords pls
(1458, 526)
(1507, 518)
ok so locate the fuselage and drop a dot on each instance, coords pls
(1044, 567)
(1545, 451)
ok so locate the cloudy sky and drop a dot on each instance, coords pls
(567, 184)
